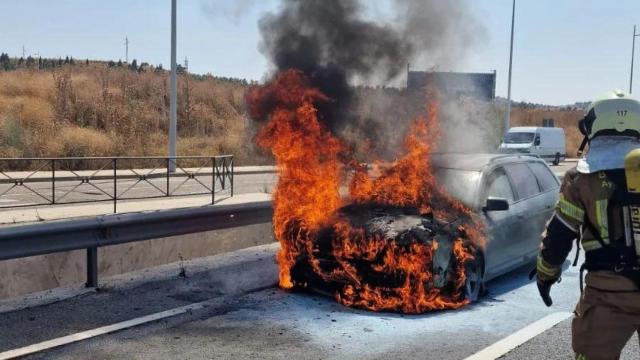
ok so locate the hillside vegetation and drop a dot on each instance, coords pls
(101, 109)
(69, 108)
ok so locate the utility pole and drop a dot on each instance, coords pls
(126, 49)
(186, 64)
(173, 107)
(507, 116)
(633, 50)
(23, 52)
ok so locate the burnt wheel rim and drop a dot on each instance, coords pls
(473, 282)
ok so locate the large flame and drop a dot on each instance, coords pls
(313, 165)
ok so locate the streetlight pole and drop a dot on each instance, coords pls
(173, 108)
(633, 50)
(507, 116)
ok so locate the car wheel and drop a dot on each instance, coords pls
(556, 161)
(474, 282)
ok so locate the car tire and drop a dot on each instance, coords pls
(556, 160)
(474, 283)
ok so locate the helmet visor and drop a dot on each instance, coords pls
(607, 153)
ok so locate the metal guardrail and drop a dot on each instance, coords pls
(90, 234)
(73, 180)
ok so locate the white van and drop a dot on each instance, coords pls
(546, 142)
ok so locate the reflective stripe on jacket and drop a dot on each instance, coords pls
(583, 197)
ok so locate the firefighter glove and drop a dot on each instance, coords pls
(544, 288)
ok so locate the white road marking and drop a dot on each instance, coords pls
(84, 335)
(520, 337)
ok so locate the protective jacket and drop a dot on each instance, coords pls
(600, 205)
(595, 209)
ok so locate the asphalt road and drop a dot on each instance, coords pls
(69, 191)
(563, 167)
(274, 324)
(555, 344)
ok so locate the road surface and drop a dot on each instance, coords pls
(274, 324)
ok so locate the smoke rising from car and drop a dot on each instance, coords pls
(470, 126)
(337, 45)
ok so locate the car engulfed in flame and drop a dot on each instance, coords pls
(396, 242)
(394, 259)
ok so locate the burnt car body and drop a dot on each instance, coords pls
(514, 194)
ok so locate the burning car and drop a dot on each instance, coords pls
(501, 189)
(417, 234)
(515, 196)
(404, 260)
(396, 241)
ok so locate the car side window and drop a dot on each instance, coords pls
(546, 179)
(523, 180)
(498, 186)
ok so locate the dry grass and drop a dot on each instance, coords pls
(99, 111)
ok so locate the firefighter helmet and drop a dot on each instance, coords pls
(614, 113)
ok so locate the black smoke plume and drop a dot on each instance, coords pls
(330, 42)
(333, 43)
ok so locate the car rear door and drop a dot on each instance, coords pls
(526, 213)
(549, 186)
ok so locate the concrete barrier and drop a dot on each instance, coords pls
(36, 274)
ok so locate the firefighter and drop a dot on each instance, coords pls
(599, 206)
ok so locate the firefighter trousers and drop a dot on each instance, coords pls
(606, 317)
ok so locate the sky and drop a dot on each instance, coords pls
(565, 50)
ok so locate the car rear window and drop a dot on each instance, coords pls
(523, 180)
(546, 179)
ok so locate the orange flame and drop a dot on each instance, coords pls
(312, 168)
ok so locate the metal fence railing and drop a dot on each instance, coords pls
(26, 182)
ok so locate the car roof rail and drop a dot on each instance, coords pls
(531, 155)
(500, 156)
(504, 156)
